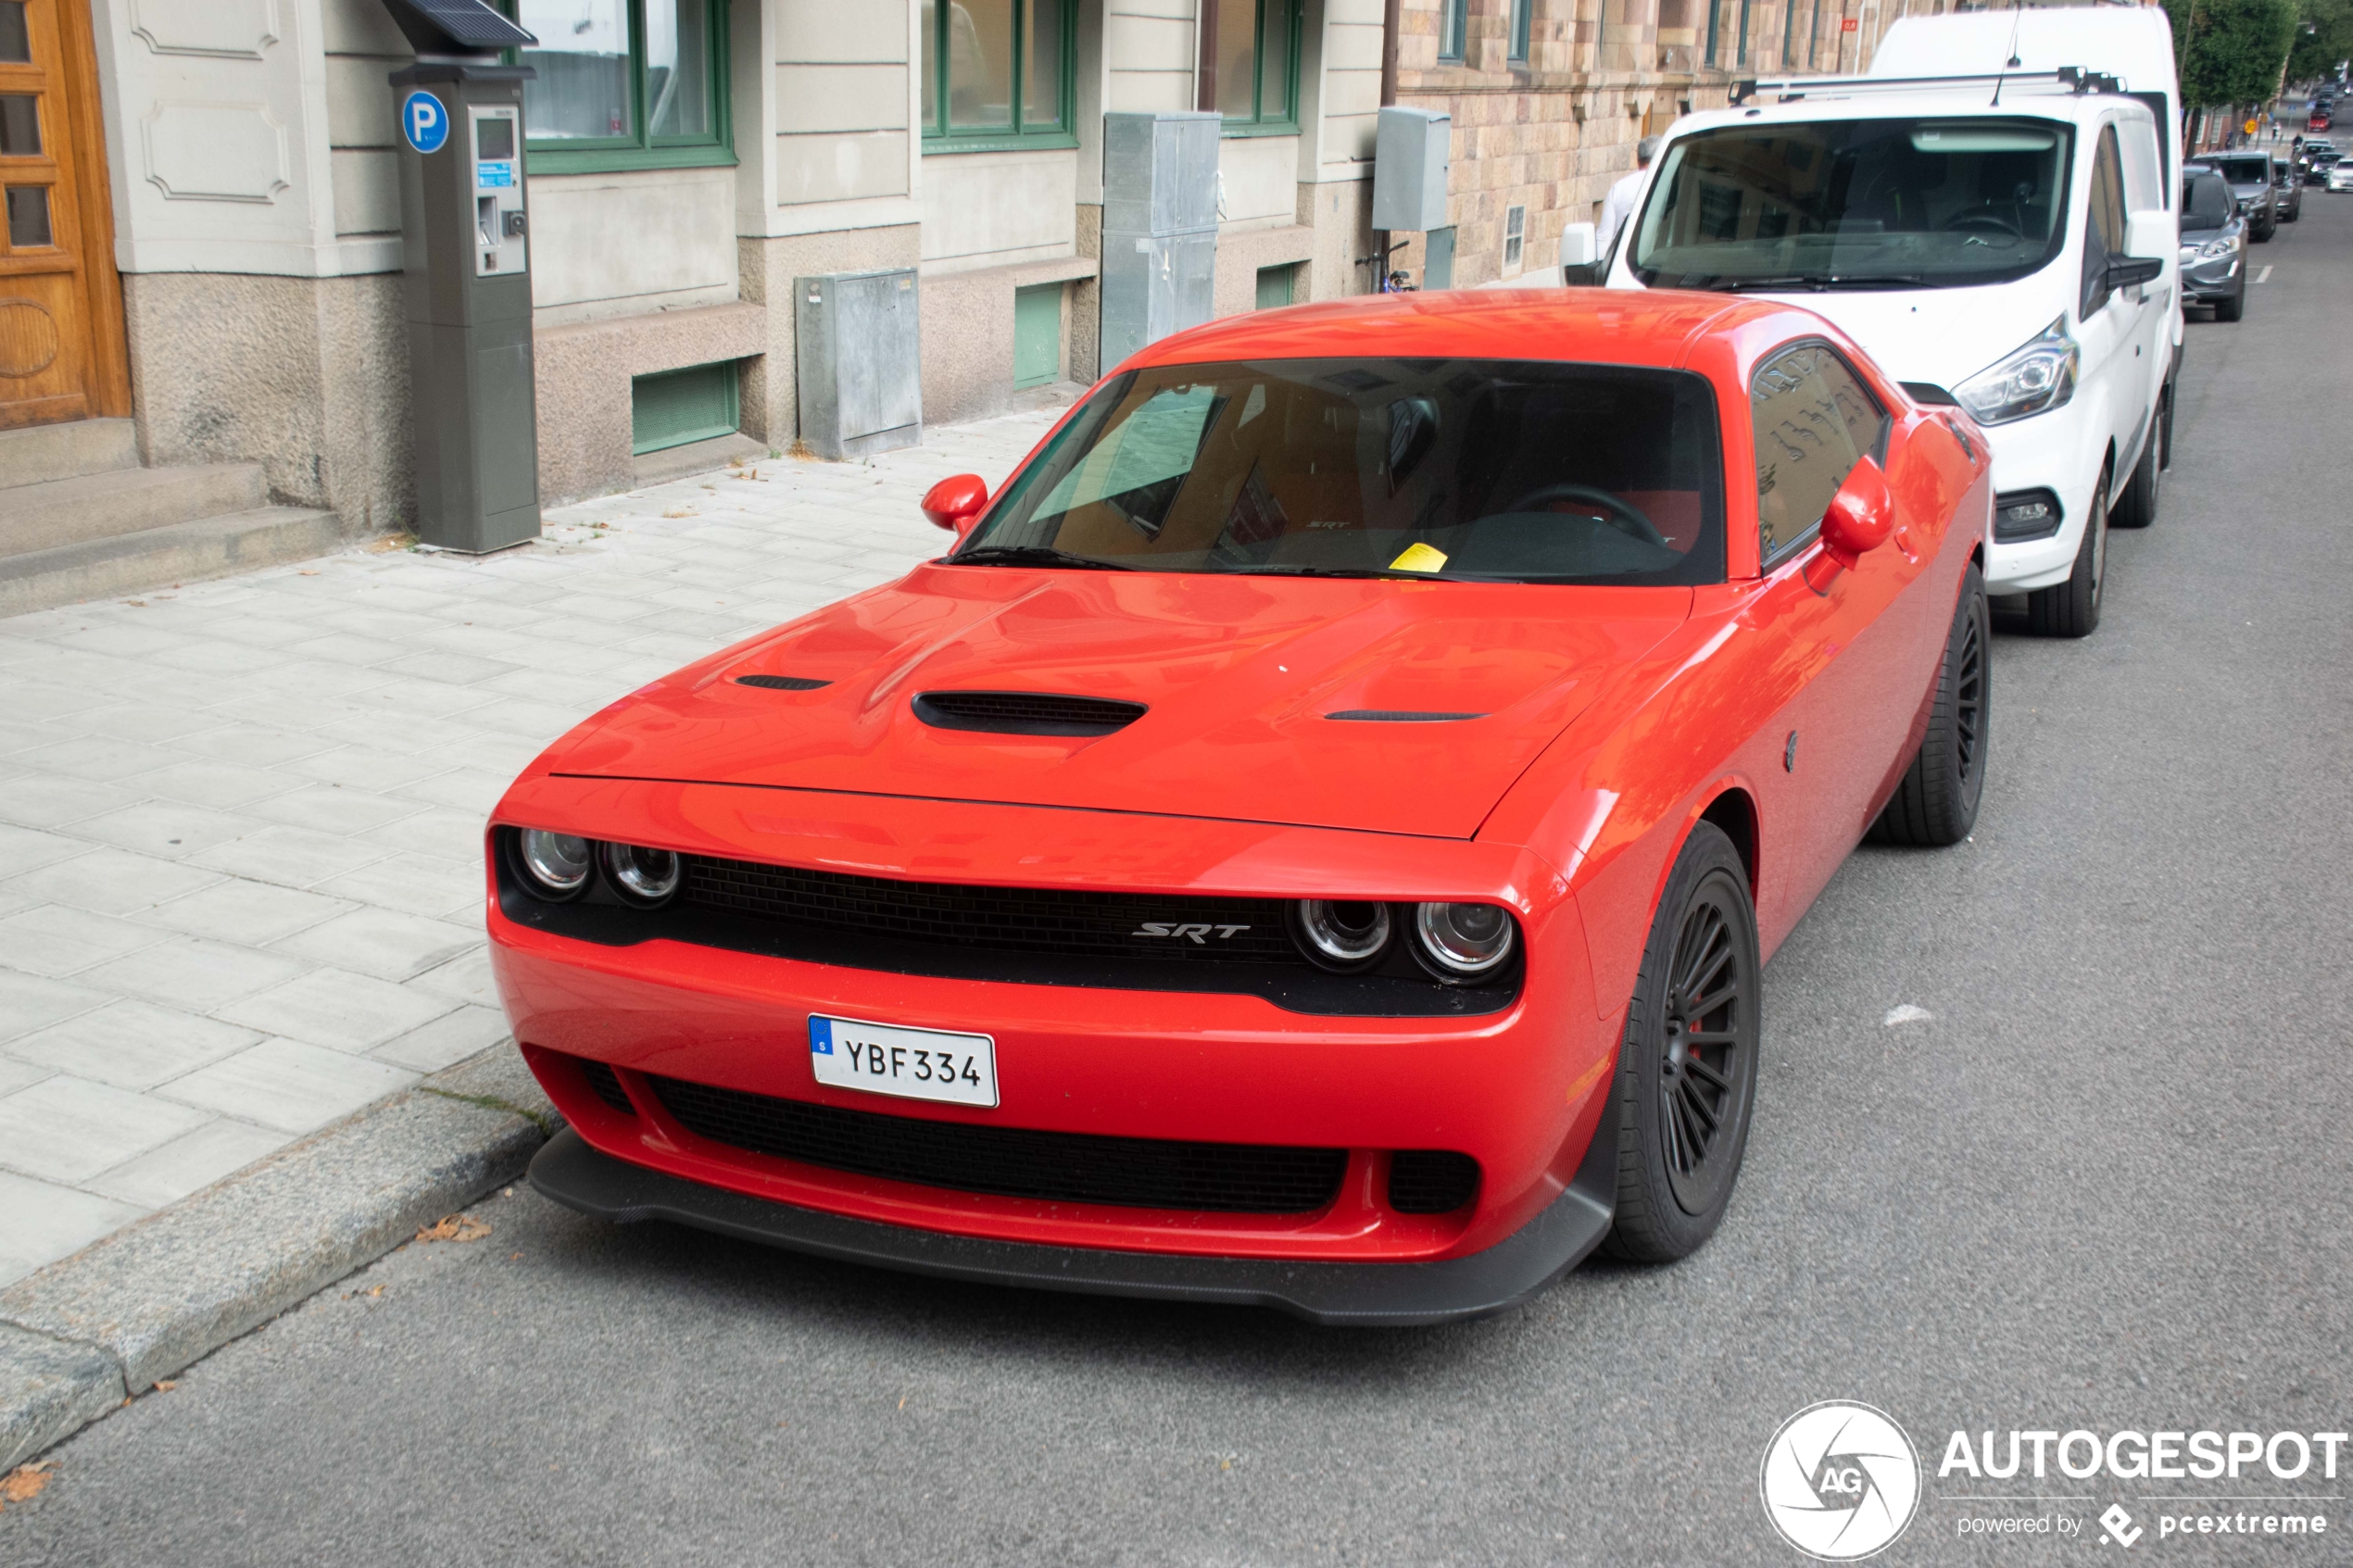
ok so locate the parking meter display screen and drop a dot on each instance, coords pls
(494, 138)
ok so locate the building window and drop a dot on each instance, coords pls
(997, 73)
(1249, 64)
(1453, 29)
(1523, 17)
(679, 407)
(1515, 237)
(624, 84)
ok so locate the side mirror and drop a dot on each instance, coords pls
(1583, 274)
(955, 503)
(1861, 516)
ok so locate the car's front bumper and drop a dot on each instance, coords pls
(1519, 1090)
(573, 1173)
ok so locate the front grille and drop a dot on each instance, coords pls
(1012, 918)
(1026, 713)
(1431, 1180)
(606, 1085)
(1014, 1162)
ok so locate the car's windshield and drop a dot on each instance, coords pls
(2205, 202)
(1856, 204)
(2243, 171)
(1480, 468)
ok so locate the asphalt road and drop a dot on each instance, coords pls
(2105, 1185)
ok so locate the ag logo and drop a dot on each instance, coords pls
(1840, 1481)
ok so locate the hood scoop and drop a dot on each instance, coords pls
(1026, 713)
(781, 683)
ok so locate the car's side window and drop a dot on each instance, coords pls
(1813, 420)
(2103, 224)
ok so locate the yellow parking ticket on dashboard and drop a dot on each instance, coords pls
(1418, 558)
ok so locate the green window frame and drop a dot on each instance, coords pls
(1454, 31)
(1523, 20)
(1274, 21)
(635, 146)
(950, 31)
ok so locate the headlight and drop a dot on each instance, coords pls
(1341, 934)
(641, 875)
(556, 863)
(2039, 377)
(1463, 941)
(2214, 250)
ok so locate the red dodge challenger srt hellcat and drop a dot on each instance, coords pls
(1312, 842)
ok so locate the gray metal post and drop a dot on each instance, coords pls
(466, 231)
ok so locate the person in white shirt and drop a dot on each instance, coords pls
(1619, 206)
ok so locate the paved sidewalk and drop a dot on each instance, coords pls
(241, 823)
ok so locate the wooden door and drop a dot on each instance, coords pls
(61, 352)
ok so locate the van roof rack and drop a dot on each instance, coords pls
(2074, 80)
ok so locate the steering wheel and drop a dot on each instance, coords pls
(1980, 219)
(1618, 513)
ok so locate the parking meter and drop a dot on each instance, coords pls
(466, 227)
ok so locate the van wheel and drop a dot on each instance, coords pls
(2072, 608)
(2165, 428)
(1687, 1067)
(2137, 506)
(1936, 804)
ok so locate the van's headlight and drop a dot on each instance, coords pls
(2038, 377)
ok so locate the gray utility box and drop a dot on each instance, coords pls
(858, 354)
(1411, 154)
(468, 295)
(1160, 227)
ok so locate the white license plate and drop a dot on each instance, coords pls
(915, 1063)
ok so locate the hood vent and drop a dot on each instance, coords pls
(1398, 716)
(1026, 713)
(781, 683)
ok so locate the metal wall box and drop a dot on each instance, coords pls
(858, 348)
(1160, 226)
(1412, 153)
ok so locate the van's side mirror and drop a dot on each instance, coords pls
(1583, 274)
(2147, 237)
(955, 503)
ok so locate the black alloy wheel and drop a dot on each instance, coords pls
(1936, 802)
(1687, 1067)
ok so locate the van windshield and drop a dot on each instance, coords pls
(1479, 470)
(1856, 204)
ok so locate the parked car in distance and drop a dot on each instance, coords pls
(2340, 176)
(1312, 840)
(2287, 191)
(2213, 244)
(2250, 176)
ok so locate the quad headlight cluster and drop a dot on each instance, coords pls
(558, 866)
(1460, 944)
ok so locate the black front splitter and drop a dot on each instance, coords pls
(1397, 1294)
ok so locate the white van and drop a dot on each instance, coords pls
(2006, 246)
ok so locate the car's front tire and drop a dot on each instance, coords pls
(2137, 506)
(1687, 1069)
(1936, 804)
(2232, 308)
(2072, 608)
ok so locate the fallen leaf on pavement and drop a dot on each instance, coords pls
(454, 1227)
(24, 1482)
(165, 1385)
(679, 511)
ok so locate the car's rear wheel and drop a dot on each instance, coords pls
(2137, 506)
(1936, 804)
(1687, 1067)
(2072, 608)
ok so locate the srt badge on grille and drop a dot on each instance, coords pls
(1197, 934)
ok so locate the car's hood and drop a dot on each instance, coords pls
(1939, 336)
(1238, 677)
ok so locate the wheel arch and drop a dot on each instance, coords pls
(1733, 811)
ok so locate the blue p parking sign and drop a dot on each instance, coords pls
(424, 121)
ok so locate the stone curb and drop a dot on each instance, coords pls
(79, 1336)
